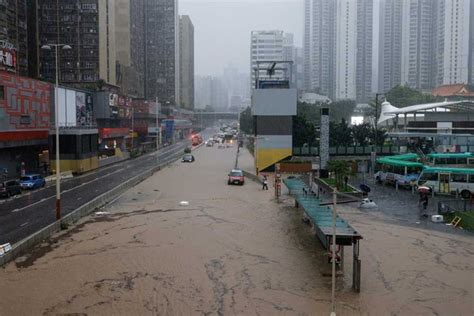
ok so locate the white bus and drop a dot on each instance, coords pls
(457, 160)
(448, 180)
(397, 170)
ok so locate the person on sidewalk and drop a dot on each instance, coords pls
(265, 183)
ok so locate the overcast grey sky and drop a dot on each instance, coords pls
(222, 29)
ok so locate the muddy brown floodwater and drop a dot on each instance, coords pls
(231, 251)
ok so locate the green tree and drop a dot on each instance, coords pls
(362, 133)
(303, 131)
(340, 133)
(340, 169)
(402, 96)
(311, 112)
(342, 109)
(381, 136)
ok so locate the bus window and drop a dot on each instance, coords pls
(412, 170)
(471, 178)
(399, 170)
(428, 176)
(459, 178)
(451, 161)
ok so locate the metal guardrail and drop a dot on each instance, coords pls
(451, 206)
(360, 150)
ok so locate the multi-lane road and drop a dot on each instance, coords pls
(26, 214)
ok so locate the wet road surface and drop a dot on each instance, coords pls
(26, 214)
(231, 251)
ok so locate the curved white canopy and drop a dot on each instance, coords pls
(389, 111)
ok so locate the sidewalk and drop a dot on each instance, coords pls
(246, 160)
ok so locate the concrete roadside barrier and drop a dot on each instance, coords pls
(64, 175)
(24, 245)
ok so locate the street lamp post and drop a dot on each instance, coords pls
(56, 122)
(157, 127)
(133, 129)
(376, 117)
(333, 253)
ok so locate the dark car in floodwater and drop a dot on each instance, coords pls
(10, 188)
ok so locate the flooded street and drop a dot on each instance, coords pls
(231, 251)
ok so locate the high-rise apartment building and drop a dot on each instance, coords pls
(337, 48)
(265, 46)
(471, 45)
(390, 39)
(307, 46)
(365, 42)
(418, 57)
(211, 92)
(454, 42)
(237, 83)
(14, 36)
(88, 26)
(186, 62)
(425, 43)
(130, 46)
(320, 46)
(298, 69)
(346, 49)
(162, 47)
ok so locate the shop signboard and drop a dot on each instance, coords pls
(8, 60)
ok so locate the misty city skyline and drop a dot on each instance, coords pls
(223, 29)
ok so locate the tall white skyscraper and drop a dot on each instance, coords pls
(471, 52)
(365, 42)
(346, 49)
(307, 46)
(419, 43)
(390, 41)
(269, 46)
(319, 45)
(338, 39)
(454, 43)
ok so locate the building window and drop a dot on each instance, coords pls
(2, 93)
(25, 120)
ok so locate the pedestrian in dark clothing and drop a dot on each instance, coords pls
(265, 183)
(346, 179)
(425, 201)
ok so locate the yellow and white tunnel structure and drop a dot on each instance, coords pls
(273, 111)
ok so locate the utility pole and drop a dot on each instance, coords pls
(376, 118)
(56, 121)
(133, 114)
(333, 290)
(156, 130)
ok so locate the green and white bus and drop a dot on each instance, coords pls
(458, 160)
(448, 180)
(394, 170)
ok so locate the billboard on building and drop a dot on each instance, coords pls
(8, 59)
(75, 108)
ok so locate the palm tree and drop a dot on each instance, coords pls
(341, 169)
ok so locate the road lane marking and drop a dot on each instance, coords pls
(169, 157)
(85, 183)
(30, 205)
(24, 224)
